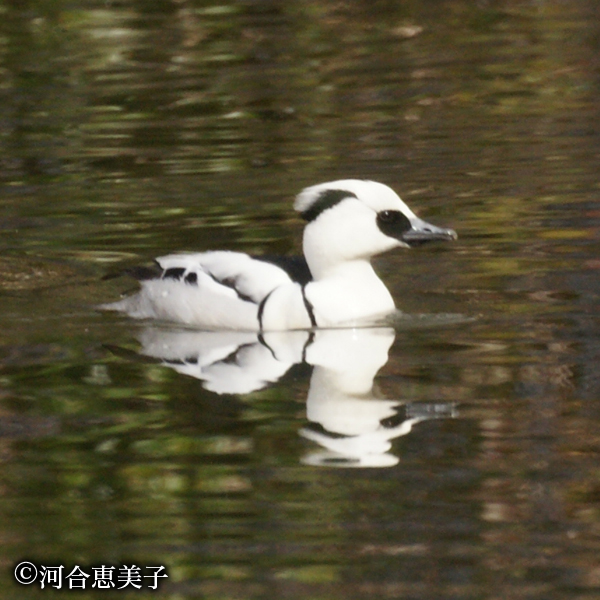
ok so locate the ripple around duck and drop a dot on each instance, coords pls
(405, 322)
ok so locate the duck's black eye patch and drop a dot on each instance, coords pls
(326, 199)
(393, 223)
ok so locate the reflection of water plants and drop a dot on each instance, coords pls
(143, 90)
(353, 426)
(484, 115)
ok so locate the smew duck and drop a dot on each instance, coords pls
(334, 285)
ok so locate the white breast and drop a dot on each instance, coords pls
(349, 294)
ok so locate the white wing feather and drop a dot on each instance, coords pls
(225, 293)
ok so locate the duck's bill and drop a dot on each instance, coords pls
(422, 232)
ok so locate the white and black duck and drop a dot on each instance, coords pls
(334, 285)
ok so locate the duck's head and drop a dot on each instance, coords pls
(353, 219)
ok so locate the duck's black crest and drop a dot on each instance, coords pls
(326, 199)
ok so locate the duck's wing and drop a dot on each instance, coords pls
(216, 290)
(251, 279)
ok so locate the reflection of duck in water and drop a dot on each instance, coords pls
(344, 415)
(348, 222)
(345, 418)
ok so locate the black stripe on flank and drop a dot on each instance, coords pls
(309, 341)
(325, 200)
(261, 309)
(309, 308)
(262, 340)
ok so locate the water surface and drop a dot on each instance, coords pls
(132, 129)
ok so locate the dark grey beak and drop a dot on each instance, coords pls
(422, 232)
